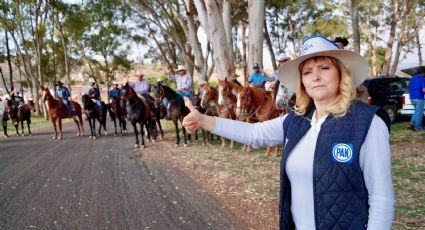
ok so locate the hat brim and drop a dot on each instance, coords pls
(356, 65)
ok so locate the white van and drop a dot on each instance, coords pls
(408, 108)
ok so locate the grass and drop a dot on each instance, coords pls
(37, 122)
(408, 151)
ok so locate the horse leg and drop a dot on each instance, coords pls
(94, 127)
(223, 142)
(22, 128)
(115, 125)
(17, 128)
(124, 125)
(60, 128)
(176, 125)
(204, 138)
(142, 133)
(154, 131)
(277, 151)
(185, 136)
(269, 151)
(91, 128)
(147, 130)
(160, 129)
(4, 124)
(29, 128)
(55, 134)
(136, 133)
(80, 124)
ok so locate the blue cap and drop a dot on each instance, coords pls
(256, 65)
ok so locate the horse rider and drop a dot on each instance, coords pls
(257, 78)
(183, 81)
(94, 94)
(17, 100)
(63, 94)
(115, 92)
(141, 87)
(272, 80)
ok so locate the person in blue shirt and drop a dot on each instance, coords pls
(115, 92)
(257, 78)
(63, 94)
(94, 94)
(417, 93)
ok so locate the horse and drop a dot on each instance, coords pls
(209, 102)
(58, 111)
(227, 92)
(92, 112)
(117, 111)
(284, 98)
(255, 104)
(20, 114)
(4, 117)
(138, 113)
(176, 107)
(160, 113)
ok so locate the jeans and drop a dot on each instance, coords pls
(99, 104)
(70, 107)
(418, 114)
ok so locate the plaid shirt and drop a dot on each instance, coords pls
(141, 87)
(183, 82)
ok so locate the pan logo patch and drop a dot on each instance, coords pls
(342, 152)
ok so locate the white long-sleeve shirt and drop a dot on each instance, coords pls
(375, 163)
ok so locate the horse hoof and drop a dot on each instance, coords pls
(136, 146)
(142, 146)
(162, 138)
(54, 138)
(176, 145)
(59, 138)
(153, 141)
(94, 138)
(106, 133)
(185, 145)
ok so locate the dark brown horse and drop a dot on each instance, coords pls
(93, 113)
(19, 114)
(117, 111)
(255, 104)
(58, 111)
(176, 107)
(138, 113)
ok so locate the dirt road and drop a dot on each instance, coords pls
(79, 183)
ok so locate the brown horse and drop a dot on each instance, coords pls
(227, 98)
(58, 110)
(255, 104)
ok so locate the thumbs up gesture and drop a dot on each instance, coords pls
(194, 119)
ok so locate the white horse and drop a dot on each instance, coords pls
(283, 97)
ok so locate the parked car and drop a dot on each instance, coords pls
(387, 92)
(407, 108)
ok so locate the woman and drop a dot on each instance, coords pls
(336, 162)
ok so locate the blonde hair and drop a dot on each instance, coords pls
(346, 92)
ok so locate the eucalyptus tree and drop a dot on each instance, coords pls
(105, 35)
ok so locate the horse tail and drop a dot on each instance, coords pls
(78, 111)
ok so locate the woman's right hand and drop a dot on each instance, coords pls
(194, 119)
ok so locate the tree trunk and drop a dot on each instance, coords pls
(352, 4)
(374, 55)
(388, 53)
(210, 18)
(405, 12)
(269, 45)
(9, 63)
(255, 32)
(227, 21)
(418, 44)
(244, 61)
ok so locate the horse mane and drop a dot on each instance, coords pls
(235, 81)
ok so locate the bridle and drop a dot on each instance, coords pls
(243, 109)
(227, 104)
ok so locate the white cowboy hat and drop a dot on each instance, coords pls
(283, 57)
(315, 46)
(180, 67)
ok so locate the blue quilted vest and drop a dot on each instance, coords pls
(340, 194)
